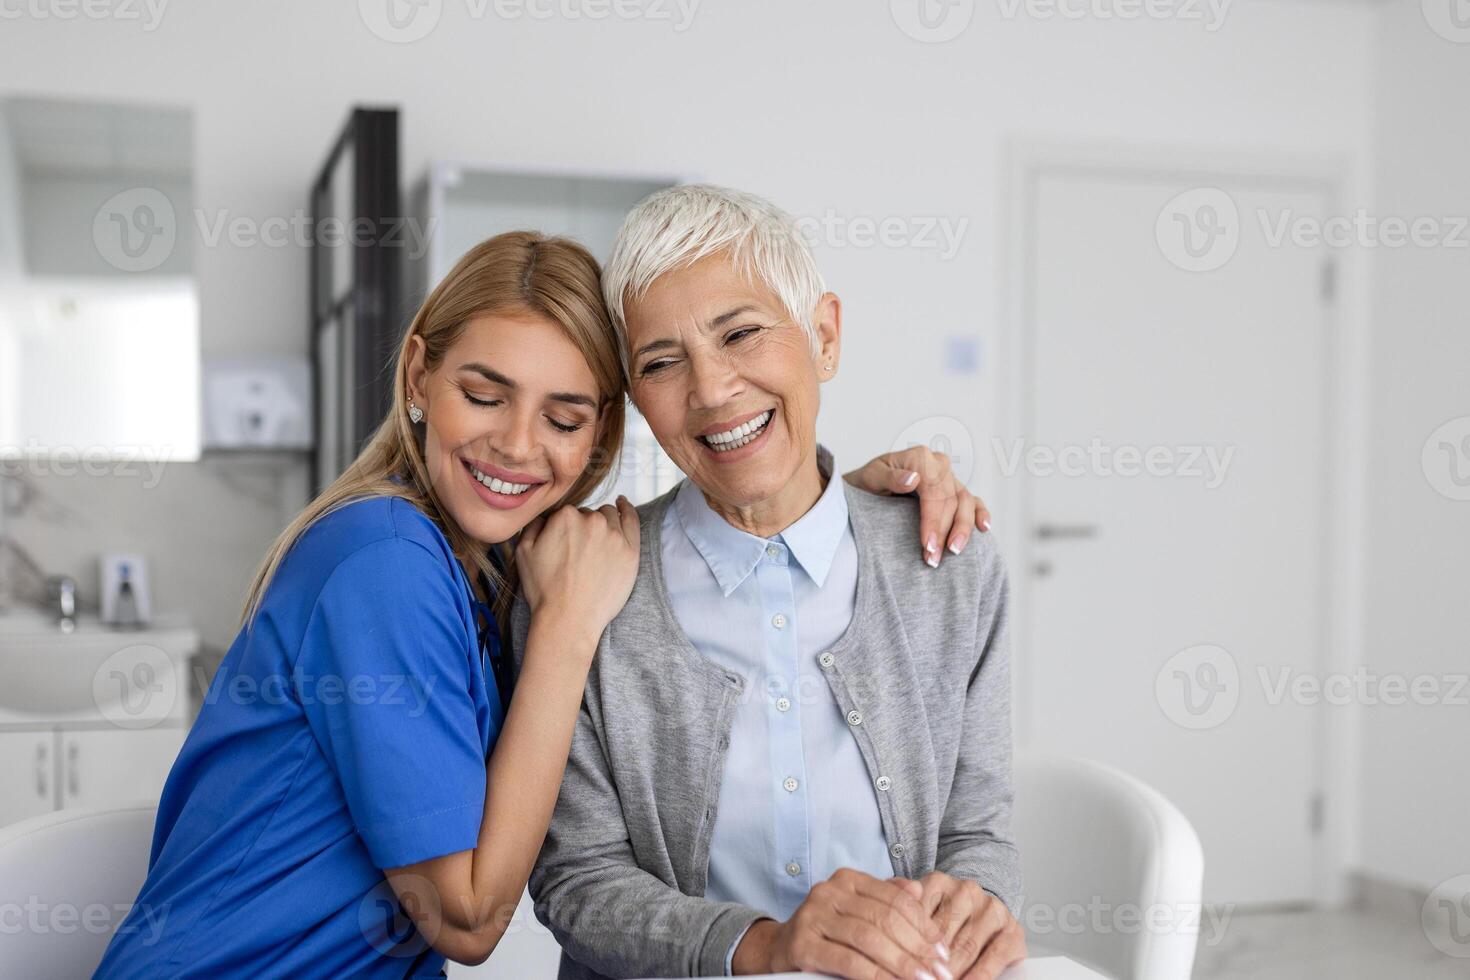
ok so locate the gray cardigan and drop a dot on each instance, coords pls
(923, 676)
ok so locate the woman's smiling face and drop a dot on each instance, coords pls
(511, 415)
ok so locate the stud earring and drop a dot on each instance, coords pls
(415, 414)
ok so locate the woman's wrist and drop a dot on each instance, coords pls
(568, 627)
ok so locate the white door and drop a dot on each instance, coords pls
(110, 768)
(27, 775)
(1176, 488)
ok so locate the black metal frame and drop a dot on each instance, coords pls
(373, 296)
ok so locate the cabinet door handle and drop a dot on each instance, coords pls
(71, 768)
(43, 767)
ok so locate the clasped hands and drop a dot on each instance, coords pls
(863, 928)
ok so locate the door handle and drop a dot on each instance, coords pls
(43, 781)
(72, 780)
(1053, 532)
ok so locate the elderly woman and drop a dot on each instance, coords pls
(794, 750)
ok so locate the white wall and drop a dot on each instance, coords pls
(1415, 794)
(825, 107)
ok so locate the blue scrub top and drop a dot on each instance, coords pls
(345, 733)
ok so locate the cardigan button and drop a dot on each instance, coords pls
(896, 850)
(883, 783)
(827, 660)
(854, 718)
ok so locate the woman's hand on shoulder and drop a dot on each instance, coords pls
(948, 512)
(580, 564)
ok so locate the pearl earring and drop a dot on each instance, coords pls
(415, 414)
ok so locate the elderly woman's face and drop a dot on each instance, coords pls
(727, 380)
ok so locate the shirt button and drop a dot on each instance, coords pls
(854, 718)
(896, 850)
(773, 550)
(778, 621)
(827, 660)
(790, 784)
(783, 704)
(883, 783)
(793, 869)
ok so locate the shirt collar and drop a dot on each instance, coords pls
(732, 554)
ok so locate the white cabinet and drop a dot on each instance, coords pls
(90, 718)
(106, 768)
(27, 775)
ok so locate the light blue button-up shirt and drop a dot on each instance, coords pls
(796, 803)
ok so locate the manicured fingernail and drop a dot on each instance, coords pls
(911, 479)
(985, 524)
(924, 975)
(943, 971)
(956, 546)
(942, 950)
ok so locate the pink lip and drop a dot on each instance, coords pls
(727, 426)
(501, 473)
(745, 451)
(500, 501)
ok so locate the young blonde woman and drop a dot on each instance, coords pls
(361, 795)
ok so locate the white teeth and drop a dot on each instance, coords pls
(499, 485)
(722, 442)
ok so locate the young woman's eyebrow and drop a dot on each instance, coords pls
(492, 375)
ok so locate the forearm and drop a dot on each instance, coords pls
(479, 890)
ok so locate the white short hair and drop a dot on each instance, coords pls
(678, 226)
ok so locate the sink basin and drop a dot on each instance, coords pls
(126, 678)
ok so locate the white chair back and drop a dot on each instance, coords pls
(1112, 871)
(67, 879)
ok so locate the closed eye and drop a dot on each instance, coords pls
(735, 336)
(480, 401)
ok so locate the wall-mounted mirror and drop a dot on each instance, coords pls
(99, 311)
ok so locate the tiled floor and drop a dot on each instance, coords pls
(1324, 946)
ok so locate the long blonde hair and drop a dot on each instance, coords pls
(517, 272)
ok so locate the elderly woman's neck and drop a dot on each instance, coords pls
(776, 513)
